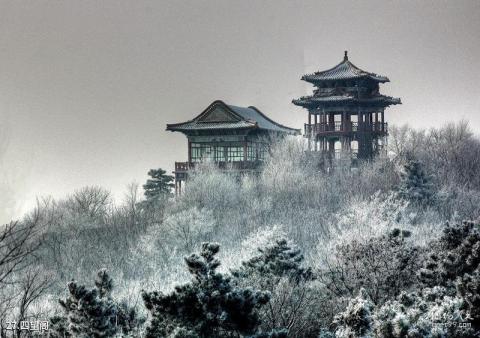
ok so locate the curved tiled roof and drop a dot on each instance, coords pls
(379, 99)
(345, 70)
(241, 118)
(195, 125)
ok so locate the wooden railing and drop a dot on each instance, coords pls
(339, 154)
(339, 127)
(239, 165)
(182, 166)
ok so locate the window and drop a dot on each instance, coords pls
(219, 154)
(234, 154)
(261, 151)
(202, 152)
(256, 151)
(227, 153)
(196, 150)
(208, 153)
(338, 149)
(354, 146)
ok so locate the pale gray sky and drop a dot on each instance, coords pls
(86, 87)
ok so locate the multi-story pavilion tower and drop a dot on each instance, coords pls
(346, 112)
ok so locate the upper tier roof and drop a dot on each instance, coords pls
(220, 115)
(345, 70)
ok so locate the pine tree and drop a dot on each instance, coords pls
(454, 263)
(468, 288)
(209, 306)
(416, 185)
(430, 312)
(278, 260)
(356, 320)
(278, 269)
(104, 284)
(92, 312)
(87, 314)
(160, 185)
(454, 254)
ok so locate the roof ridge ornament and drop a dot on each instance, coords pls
(345, 70)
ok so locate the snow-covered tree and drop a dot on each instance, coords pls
(455, 253)
(454, 263)
(209, 306)
(280, 259)
(279, 269)
(188, 228)
(416, 185)
(468, 289)
(93, 312)
(350, 223)
(430, 312)
(356, 321)
(382, 266)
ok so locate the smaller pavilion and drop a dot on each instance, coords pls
(346, 112)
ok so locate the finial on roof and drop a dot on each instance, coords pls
(345, 58)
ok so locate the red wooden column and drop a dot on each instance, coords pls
(331, 121)
(310, 131)
(245, 152)
(189, 152)
(383, 120)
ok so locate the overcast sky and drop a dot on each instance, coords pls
(87, 87)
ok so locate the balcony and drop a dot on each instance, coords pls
(183, 167)
(339, 128)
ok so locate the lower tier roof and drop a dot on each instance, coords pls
(319, 101)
